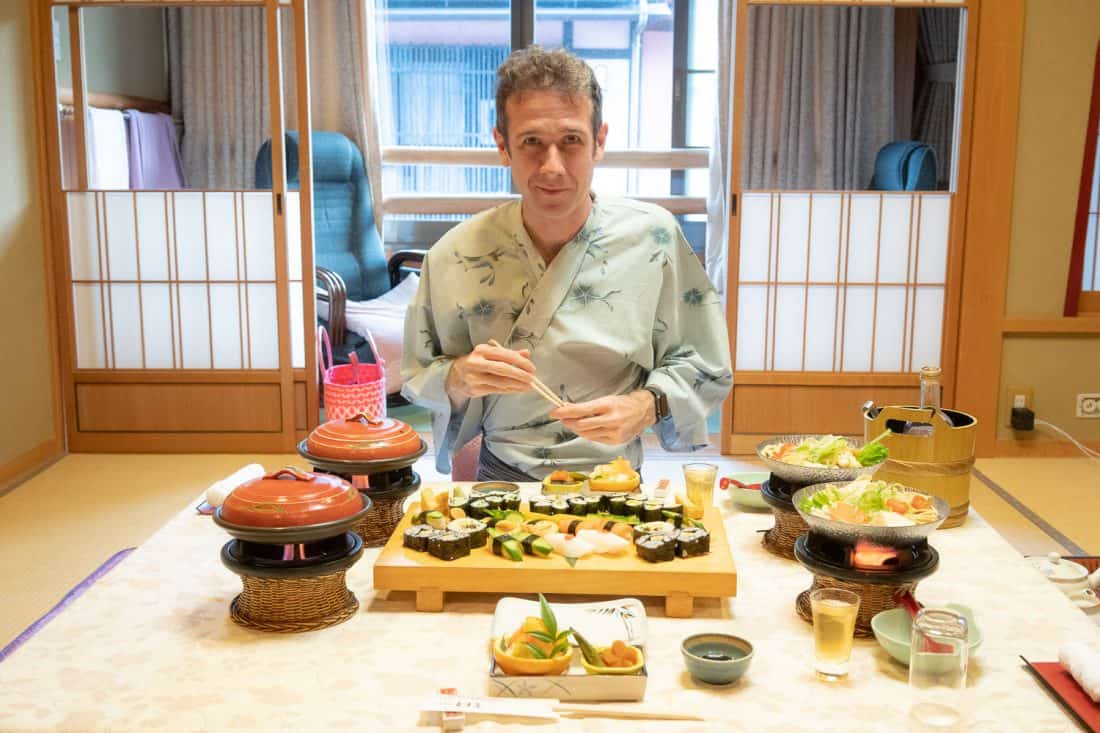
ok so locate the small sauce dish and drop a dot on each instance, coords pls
(717, 659)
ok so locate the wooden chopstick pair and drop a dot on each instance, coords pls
(541, 388)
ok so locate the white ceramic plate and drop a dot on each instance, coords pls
(601, 623)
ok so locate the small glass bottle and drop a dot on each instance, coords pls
(930, 391)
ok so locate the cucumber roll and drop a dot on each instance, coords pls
(641, 530)
(578, 505)
(447, 545)
(675, 507)
(495, 501)
(559, 506)
(472, 528)
(416, 537)
(633, 508)
(461, 503)
(656, 547)
(594, 503)
(478, 508)
(692, 541)
(506, 546)
(511, 500)
(542, 506)
(616, 504)
(652, 511)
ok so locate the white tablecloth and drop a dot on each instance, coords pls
(151, 647)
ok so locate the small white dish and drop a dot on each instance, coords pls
(746, 498)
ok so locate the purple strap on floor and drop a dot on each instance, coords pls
(76, 591)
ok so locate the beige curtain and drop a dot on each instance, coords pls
(819, 90)
(718, 199)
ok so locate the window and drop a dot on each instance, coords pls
(656, 64)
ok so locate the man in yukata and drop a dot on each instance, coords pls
(602, 297)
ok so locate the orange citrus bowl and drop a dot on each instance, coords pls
(524, 666)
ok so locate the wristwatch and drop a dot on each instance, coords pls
(660, 401)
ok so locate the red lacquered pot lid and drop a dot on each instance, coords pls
(363, 438)
(291, 498)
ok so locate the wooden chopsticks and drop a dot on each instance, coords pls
(599, 711)
(541, 388)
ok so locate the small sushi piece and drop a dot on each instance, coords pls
(435, 519)
(617, 504)
(541, 527)
(662, 527)
(535, 545)
(416, 537)
(594, 504)
(447, 545)
(475, 529)
(495, 501)
(505, 545)
(578, 506)
(478, 508)
(511, 500)
(676, 519)
(460, 503)
(652, 511)
(604, 543)
(692, 541)
(656, 547)
(633, 508)
(675, 507)
(542, 506)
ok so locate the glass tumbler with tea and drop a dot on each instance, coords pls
(938, 660)
(834, 616)
(699, 479)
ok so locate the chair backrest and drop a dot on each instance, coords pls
(905, 165)
(345, 239)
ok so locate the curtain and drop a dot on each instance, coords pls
(718, 199)
(217, 68)
(819, 91)
(934, 115)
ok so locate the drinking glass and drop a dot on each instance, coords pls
(834, 611)
(699, 478)
(937, 670)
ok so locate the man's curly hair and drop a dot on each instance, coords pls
(536, 69)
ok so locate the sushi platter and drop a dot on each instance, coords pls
(432, 553)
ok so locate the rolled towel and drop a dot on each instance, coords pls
(1082, 661)
(218, 490)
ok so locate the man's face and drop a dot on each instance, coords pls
(551, 152)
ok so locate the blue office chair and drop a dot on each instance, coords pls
(350, 259)
(905, 165)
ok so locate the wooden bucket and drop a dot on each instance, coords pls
(938, 463)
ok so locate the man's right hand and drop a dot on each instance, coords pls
(489, 370)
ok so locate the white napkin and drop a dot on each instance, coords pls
(218, 490)
(1082, 662)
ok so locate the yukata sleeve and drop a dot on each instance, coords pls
(424, 369)
(690, 347)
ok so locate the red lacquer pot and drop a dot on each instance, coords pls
(363, 439)
(290, 497)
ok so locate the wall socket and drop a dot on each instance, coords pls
(1088, 405)
(1019, 397)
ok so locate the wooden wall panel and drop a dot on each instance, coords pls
(178, 408)
(772, 409)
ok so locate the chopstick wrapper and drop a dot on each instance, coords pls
(1083, 663)
(218, 490)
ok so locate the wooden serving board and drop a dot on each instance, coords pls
(681, 581)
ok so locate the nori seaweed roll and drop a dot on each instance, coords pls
(511, 500)
(594, 504)
(652, 511)
(670, 516)
(541, 506)
(473, 528)
(633, 507)
(617, 505)
(459, 502)
(447, 545)
(416, 537)
(640, 530)
(656, 547)
(477, 508)
(578, 505)
(692, 541)
(495, 501)
(559, 506)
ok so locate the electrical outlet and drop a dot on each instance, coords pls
(1088, 405)
(1018, 397)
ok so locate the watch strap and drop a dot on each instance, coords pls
(660, 401)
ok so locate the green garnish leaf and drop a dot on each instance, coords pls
(572, 561)
(563, 635)
(548, 618)
(560, 648)
(590, 653)
(538, 653)
(542, 636)
(503, 644)
(695, 523)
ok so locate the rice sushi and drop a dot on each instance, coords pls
(633, 508)
(656, 547)
(652, 511)
(692, 541)
(478, 508)
(474, 529)
(541, 506)
(507, 546)
(416, 537)
(447, 545)
(616, 505)
(559, 506)
(459, 502)
(495, 501)
(640, 530)
(578, 505)
(594, 504)
(511, 500)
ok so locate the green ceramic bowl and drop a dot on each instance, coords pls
(892, 629)
(717, 659)
(748, 498)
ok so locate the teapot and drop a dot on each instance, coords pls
(1071, 578)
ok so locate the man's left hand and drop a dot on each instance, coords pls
(611, 420)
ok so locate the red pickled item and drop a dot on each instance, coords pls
(363, 438)
(290, 497)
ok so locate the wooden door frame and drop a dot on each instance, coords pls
(298, 407)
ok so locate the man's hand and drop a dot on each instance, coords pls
(609, 420)
(489, 370)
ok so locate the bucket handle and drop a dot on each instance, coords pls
(910, 414)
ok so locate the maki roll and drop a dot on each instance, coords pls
(510, 500)
(633, 508)
(641, 530)
(416, 537)
(535, 545)
(474, 529)
(616, 504)
(675, 507)
(495, 501)
(447, 545)
(692, 541)
(541, 506)
(594, 503)
(461, 503)
(656, 547)
(478, 508)
(652, 511)
(507, 546)
(559, 506)
(578, 505)
(670, 516)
